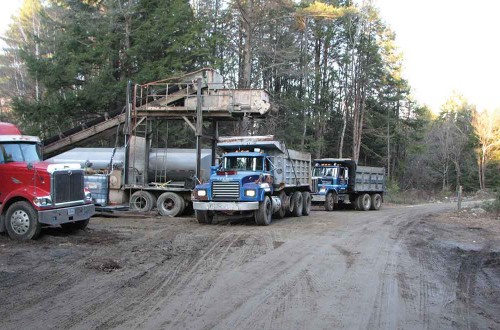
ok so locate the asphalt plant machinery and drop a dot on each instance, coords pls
(193, 98)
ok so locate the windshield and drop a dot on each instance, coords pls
(19, 152)
(325, 171)
(242, 163)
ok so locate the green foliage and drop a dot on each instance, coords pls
(332, 69)
(82, 66)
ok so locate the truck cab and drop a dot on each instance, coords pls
(330, 176)
(238, 183)
(258, 176)
(338, 181)
(34, 193)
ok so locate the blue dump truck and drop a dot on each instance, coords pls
(256, 176)
(336, 182)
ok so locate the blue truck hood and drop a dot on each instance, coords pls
(242, 176)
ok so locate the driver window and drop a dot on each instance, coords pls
(267, 165)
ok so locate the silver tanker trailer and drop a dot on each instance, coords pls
(166, 185)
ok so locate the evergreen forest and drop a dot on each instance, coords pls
(332, 68)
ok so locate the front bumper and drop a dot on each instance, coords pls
(318, 198)
(226, 206)
(66, 214)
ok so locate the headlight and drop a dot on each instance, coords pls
(322, 190)
(42, 201)
(202, 193)
(88, 195)
(250, 193)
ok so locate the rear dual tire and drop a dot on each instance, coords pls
(142, 201)
(170, 204)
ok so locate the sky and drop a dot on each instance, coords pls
(448, 45)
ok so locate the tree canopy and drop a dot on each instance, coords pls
(331, 67)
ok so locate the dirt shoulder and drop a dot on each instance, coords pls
(406, 267)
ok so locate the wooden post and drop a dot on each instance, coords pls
(459, 197)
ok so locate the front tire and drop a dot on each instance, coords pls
(330, 201)
(263, 216)
(21, 221)
(204, 217)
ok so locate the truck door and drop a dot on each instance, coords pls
(343, 177)
(3, 178)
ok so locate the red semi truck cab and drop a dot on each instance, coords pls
(34, 193)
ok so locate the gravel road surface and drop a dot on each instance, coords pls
(420, 267)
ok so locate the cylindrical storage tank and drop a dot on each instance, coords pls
(165, 164)
(177, 164)
(98, 186)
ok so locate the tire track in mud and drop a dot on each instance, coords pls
(94, 305)
(162, 279)
(395, 298)
(466, 284)
(272, 301)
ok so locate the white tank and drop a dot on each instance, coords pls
(164, 164)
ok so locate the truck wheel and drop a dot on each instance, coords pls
(73, 226)
(21, 221)
(306, 197)
(298, 204)
(376, 202)
(330, 201)
(366, 202)
(142, 201)
(263, 215)
(205, 217)
(170, 204)
(358, 202)
(280, 214)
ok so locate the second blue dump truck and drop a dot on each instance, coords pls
(336, 182)
(256, 176)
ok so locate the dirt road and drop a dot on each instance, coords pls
(398, 268)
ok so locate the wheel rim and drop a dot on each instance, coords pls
(140, 203)
(20, 222)
(330, 201)
(366, 202)
(168, 204)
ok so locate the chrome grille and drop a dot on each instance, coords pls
(67, 186)
(225, 190)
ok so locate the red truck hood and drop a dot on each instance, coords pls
(45, 166)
